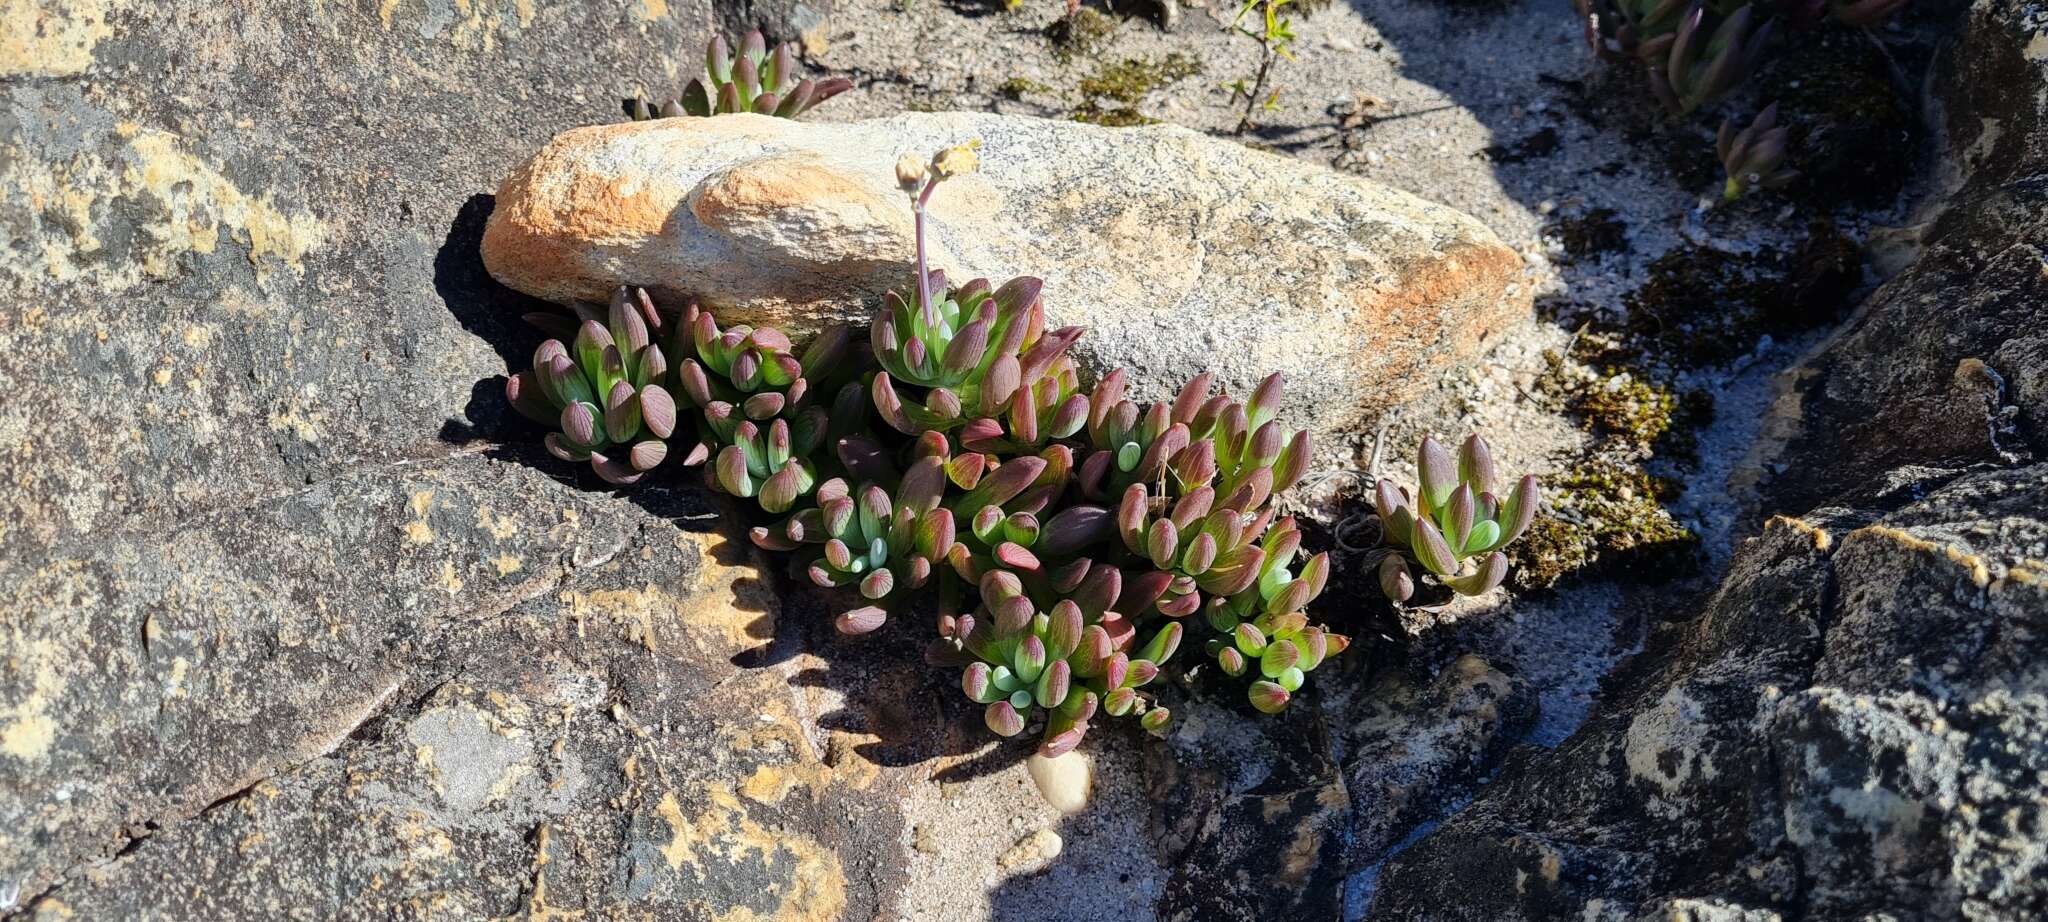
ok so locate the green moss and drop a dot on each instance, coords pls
(1079, 35)
(1605, 514)
(1116, 117)
(1127, 81)
(1621, 408)
(1019, 87)
(1608, 511)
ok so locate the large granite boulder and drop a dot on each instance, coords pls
(1179, 252)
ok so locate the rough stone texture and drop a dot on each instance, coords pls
(1266, 822)
(1180, 252)
(1946, 364)
(1412, 751)
(1856, 726)
(574, 733)
(279, 638)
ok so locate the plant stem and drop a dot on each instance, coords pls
(1245, 124)
(924, 295)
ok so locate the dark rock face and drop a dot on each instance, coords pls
(1946, 365)
(277, 631)
(1853, 728)
(1332, 789)
(1856, 725)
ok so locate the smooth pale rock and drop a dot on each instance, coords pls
(1063, 780)
(1179, 251)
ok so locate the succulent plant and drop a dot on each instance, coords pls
(1198, 441)
(1263, 631)
(979, 355)
(604, 391)
(1700, 67)
(1042, 546)
(1455, 525)
(760, 427)
(878, 544)
(1072, 660)
(1199, 546)
(758, 81)
(1631, 30)
(1754, 156)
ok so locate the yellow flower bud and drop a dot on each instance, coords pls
(954, 161)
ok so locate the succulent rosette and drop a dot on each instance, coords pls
(1263, 631)
(603, 391)
(1455, 525)
(971, 354)
(1754, 156)
(1072, 661)
(761, 427)
(1700, 66)
(878, 544)
(756, 80)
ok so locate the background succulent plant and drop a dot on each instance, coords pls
(604, 391)
(1454, 525)
(1754, 156)
(1700, 66)
(1697, 53)
(756, 80)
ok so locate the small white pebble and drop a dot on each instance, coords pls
(1035, 850)
(1063, 780)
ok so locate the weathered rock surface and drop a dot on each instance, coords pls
(1947, 364)
(480, 730)
(278, 639)
(1267, 821)
(1180, 252)
(1856, 726)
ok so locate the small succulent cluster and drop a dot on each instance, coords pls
(757, 80)
(604, 391)
(1071, 536)
(1691, 55)
(1455, 524)
(1694, 53)
(1754, 156)
(759, 427)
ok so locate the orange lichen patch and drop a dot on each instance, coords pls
(730, 606)
(807, 880)
(1822, 540)
(1976, 567)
